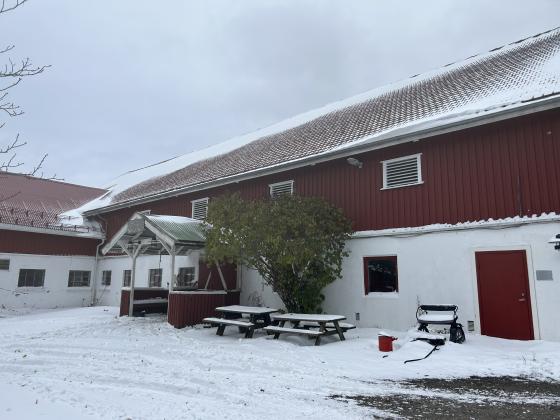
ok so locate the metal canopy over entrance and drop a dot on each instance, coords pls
(151, 234)
(158, 234)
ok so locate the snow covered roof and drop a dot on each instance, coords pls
(36, 202)
(509, 77)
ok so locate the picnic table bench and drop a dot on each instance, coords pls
(222, 323)
(328, 325)
(232, 315)
(344, 326)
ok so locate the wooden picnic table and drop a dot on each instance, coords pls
(324, 322)
(257, 314)
(232, 315)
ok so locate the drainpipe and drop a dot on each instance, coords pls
(95, 267)
(95, 270)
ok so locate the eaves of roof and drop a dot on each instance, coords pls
(59, 231)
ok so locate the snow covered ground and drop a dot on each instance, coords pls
(87, 363)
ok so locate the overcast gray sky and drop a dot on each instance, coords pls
(134, 82)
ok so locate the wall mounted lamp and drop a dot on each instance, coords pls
(354, 162)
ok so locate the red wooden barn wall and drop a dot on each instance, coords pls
(497, 170)
(191, 308)
(229, 271)
(17, 242)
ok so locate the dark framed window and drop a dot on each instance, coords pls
(186, 277)
(4, 264)
(106, 278)
(31, 278)
(78, 278)
(381, 274)
(154, 277)
(127, 275)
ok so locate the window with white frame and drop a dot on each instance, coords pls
(281, 188)
(127, 275)
(154, 277)
(106, 278)
(78, 278)
(186, 277)
(4, 264)
(31, 278)
(200, 208)
(403, 171)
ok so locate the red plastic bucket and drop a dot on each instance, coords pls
(386, 342)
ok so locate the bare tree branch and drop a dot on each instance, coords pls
(21, 69)
(16, 72)
(8, 48)
(13, 73)
(7, 6)
(9, 162)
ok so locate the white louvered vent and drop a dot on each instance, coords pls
(281, 188)
(200, 208)
(4, 264)
(402, 171)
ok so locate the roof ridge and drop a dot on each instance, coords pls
(36, 178)
(506, 76)
(496, 48)
(371, 91)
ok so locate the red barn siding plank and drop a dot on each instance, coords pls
(460, 179)
(508, 192)
(525, 186)
(553, 140)
(544, 187)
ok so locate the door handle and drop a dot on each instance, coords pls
(521, 300)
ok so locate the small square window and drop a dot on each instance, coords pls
(154, 277)
(127, 275)
(106, 278)
(381, 274)
(31, 278)
(78, 278)
(4, 264)
(186, 277)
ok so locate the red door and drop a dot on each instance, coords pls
(503, 294)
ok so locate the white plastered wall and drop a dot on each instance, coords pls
(436, 267)
(111, 295)
(55, 293)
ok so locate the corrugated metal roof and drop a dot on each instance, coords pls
(157, 234)
(181, 229)
(505, 77)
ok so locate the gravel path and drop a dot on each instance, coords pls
(468, 398)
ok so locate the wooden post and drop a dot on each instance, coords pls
(172, 284)
(224, 285)
(132, 278)
(208, 280)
